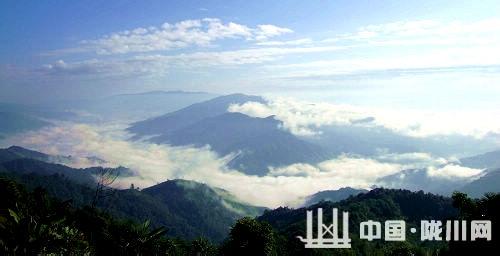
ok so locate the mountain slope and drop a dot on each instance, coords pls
(189, 115)
(490, 182)
(27, 166)
(490, 160)
(201, 206)
(332, 195)
(187, 209)
(258, 142)
(376, 205)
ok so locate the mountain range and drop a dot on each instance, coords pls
(332, 195)
(186, 208)
(258, 143)
(489, 160)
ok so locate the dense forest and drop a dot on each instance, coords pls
(33, 222)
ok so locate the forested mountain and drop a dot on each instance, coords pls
(332, 195)
(188, 209)
(377, 205)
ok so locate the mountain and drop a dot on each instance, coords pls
(24, 161)
(13, 122)
(122, 107)
(212, 211)
(490, 182)
(27, 166)
(16, 152)
(377, 205)
(369, 139)
(419, 179)
(186, 208)
(332, 195)
(258, 142)
(490, 160)
(189, 115)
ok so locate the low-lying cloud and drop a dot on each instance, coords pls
(306, 118)
(284, 185)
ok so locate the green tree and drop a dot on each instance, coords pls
(250, 237)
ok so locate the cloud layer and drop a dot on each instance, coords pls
(183, 34)
(284, 185)
(306, 118)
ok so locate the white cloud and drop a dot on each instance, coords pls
(160, 64)
(453, 59)
(264, 32)
(425, 29)
(153, 163)
(187, 33)
(303, 41)
(156, 163)
(453, 171)
(305, 118)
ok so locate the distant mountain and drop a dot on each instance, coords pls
(490, 182)
(12, 122)
(418, 179)
(122, 107)
(16, 152)
(332, 195)
(27, 166)
(490, 160)
(370, 139)
(258, 142)
(25, 161)
(189, 115)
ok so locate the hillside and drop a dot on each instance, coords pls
(332, 195)
(489, 183)
(377, 205)
(189, 115)
(187, 209)
(259, 142)
(490, 160)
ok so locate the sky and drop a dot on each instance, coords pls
(420, 68)
(406, 54)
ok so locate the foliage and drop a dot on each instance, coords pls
(485, 208)
(31, 223)
(250, 237)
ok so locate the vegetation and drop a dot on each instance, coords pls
(33, 223)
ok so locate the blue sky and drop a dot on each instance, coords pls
(413, 54)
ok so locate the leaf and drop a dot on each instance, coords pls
(14, 215)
